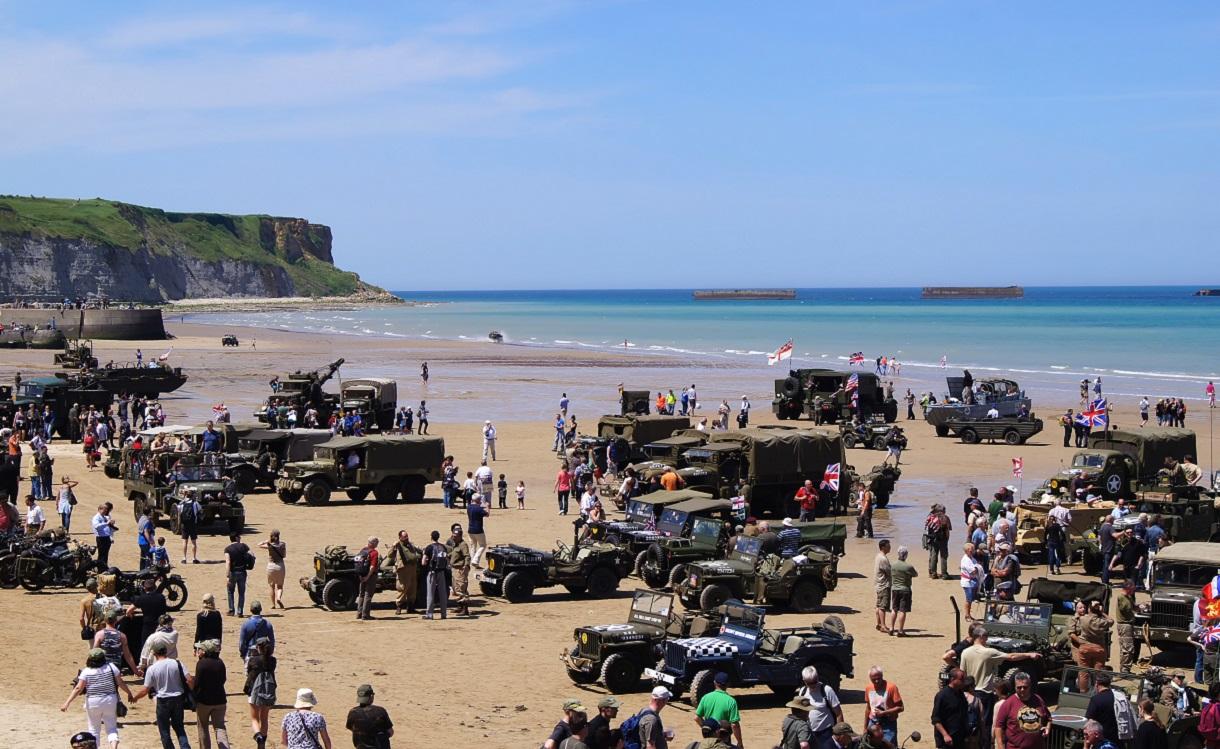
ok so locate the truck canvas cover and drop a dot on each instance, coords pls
(386, 389)
(1149, 447)
(641, 429)
(785, 455)
(406, 448)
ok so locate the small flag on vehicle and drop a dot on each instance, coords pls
(781, 353)
(1018, 468)
(1096, 416)
(831, 476)
(1211, 591)
(853, 382)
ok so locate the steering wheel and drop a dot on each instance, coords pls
(564, 551)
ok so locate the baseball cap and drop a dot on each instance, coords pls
(721, 678)
(573, 706)
(609, 702)
(661, 693)
(364, 694)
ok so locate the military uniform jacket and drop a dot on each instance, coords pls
(459, 554)
(405, 555)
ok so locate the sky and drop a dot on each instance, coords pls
(603, 144)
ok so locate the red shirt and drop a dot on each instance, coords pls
(807, 497)
(1022, 722)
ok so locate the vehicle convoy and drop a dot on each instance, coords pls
(1038, 625)
(643, 525)
(1077, 688)
(298, 392)
(1123, 463)
(752, 655)
(1013, 430)
(688, 531)
(617, 654)
(335, 581)
(373, 399)
(162, 480)
(629, 433)
(1004, 395)
(515, 572)
(385, 465)
(1179, 572)
(58, 393)
(823, 395)
(261, 453)
(800, 583)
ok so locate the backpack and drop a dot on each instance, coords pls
(438, 559)
(1124, 718)
(189, 512)
(630, 729)
(362, 562)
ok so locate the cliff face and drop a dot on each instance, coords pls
(64, 248)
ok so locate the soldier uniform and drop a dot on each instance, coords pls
(459, 561)
(1128, 648)
(1090, 651)
(405, 556)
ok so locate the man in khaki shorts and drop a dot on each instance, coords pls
(881, 583)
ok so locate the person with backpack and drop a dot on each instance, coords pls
(261, 686)
(1022, 720)
(238, 562)
(368, 560)
(936, 530)
(794, 731)
(190, 513)
(1111, 709)
(1209, 719)
(405, 557)
(644, 730)
(436, 562)
(573, 710)
(254, 629)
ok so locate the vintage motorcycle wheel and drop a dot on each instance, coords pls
(8, 571)
(35, 578)
(175, 592)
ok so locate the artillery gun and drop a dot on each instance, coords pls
(297, 392)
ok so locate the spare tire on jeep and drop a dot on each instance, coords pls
(792, 387)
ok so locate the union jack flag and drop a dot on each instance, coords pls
(853, 382)
(1097, 415)
(856, 358)
(1211, 635)
(1018, 468)
(831, 476)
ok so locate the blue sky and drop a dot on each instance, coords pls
(668, 144)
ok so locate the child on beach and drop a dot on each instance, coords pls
(520, 495)
(160, 556)
(502, 491)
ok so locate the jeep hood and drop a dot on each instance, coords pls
(722, 567)
(623, 631)
(307, 466)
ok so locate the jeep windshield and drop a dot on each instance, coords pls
(706, 529)
(658, 451)
(742, 621)
(31, 390)
(198, 473)
(640, 512)
(672, 521)
(651, 605)
(700, 455)
(746, 549)
(1004, 612)
(1088, 460)
(1183, 574)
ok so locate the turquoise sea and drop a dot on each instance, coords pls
(1141, 340)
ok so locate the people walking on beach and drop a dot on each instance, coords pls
(261, 686)
(277, 550)
(881, 584)
(166, 680)
(208, 687)
(1210, 390)
(563, 405)
(883, 704)
(100, 683)
(684, 403)
(902, 574)
(489, 440)
(237, 564)
(423, 372)
(909, 398)
(476, 513)
(303, 728)
(692, 400)
(1143, 412)
(422, 414)
(483, 478)
(558, 444)
(722, 415)
(563, 487)
(370, 724)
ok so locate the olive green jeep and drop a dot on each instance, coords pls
(800, 583)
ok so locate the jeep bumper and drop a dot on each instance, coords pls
(312, 585)
(660, 677)
(289, 485)
(579, 663)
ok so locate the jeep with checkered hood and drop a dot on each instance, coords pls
(617, 654)
(751, 655)
(799, 583)
(643, 525)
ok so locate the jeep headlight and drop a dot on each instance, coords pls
(491, 564)
(317, 566)
(584, 638)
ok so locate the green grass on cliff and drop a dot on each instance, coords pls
(207, 236)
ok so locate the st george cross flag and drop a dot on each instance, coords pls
(781, 353)
(831, 477)
(1018, 468)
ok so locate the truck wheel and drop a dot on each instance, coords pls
(890, 410)
(602, 582)
(677, 574)
(517, 587)
(701, 685)
(879, 443)
(639, 563)
(137, 505)
(713, 596)
(1012, 437)
(315, 597)
(653, 577)
(8, 571)
(316, 493)
(942, 430)
(849, 440)
(620, 674)
(175, 523)
(969, 436)
(175, 594)
(358, 494)
(828, 673)
(339, 595)
(490, 589)
(387, 490)
(413, 488)
(576, 675)
(287, 497)
(807, 597)
(246, 480)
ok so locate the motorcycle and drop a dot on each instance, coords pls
(128, 585)
(55, 565)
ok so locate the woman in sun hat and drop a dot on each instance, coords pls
(303, 728)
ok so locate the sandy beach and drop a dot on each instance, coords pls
(493, 679)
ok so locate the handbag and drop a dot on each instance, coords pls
(188, 696)
(120, 709)
(87, 633)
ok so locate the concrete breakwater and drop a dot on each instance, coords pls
(115, 324)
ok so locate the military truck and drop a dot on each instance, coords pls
(262, 452)
(800, 583)
(298, 392)
(656, 457)
(161, 480)
(822, 395)
(1122, 463)
(373, 399)
(515, 572)
(1004, 395)
(334, 583)
(752, 655)
(1076, 689)
(1179, 572)
(387, 466)
(643, 524)
(631, 432)
(617, 654)
(60, 394)
(635, 403)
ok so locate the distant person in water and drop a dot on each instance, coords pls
(423, 372)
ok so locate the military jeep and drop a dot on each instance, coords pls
(640, 529)
(334, 584)
(262, 452)
(387, 466)
(1179, 572)
(752, 655)
(871, 433)
(162, 480)
(515, 572)
(686, 532)
(800, 583)
(617, 654)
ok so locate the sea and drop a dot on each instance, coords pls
(1142, 340)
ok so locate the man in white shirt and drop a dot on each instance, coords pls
(489, 440)
(35, 518)
(483, 478)
(103, 532)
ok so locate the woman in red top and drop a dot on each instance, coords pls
(563, 487)
(90, 446)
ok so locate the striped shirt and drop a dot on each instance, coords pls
(100, 682)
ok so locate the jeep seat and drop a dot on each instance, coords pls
(700, 626)
(792, 644)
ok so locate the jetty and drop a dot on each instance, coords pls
(744, 294)
(972, 292)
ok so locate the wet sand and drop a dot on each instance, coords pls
(494, 679)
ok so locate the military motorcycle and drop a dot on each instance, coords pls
(128, 585)
(55, 565)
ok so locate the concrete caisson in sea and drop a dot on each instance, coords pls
(705, 295)
(972, 292)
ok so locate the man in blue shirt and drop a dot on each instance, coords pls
(1154, 536)
(211, 439)
(475, 512)
(254, 628)
(789, 539)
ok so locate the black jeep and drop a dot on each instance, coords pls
(516, 571)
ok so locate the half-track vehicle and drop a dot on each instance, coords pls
(1077, 687)
(617, 654)
(387, 466)
(800, 583)
(642, 525)
(1179, 572)
(298, 392)
(753, 655)
(515, 572)
(1004, 395)
(1013, 430)
(688, 531)
(262, 452)
(373, 399)
(1123, 463)
(822, 395)
(334, 583)
(163, 479)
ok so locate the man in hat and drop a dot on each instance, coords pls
(580, 731)
(572, 710)
(843, 736)
(459, 561)
(83, 740)
(794, 731)
(210, 700)
(719, 705)
(1006, 570)
(789, 539)
(603, 733)
(405, 557)
(489, 440)
(652, 732)
(367, 721)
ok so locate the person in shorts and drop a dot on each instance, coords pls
(901, 576)
(881, 583)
